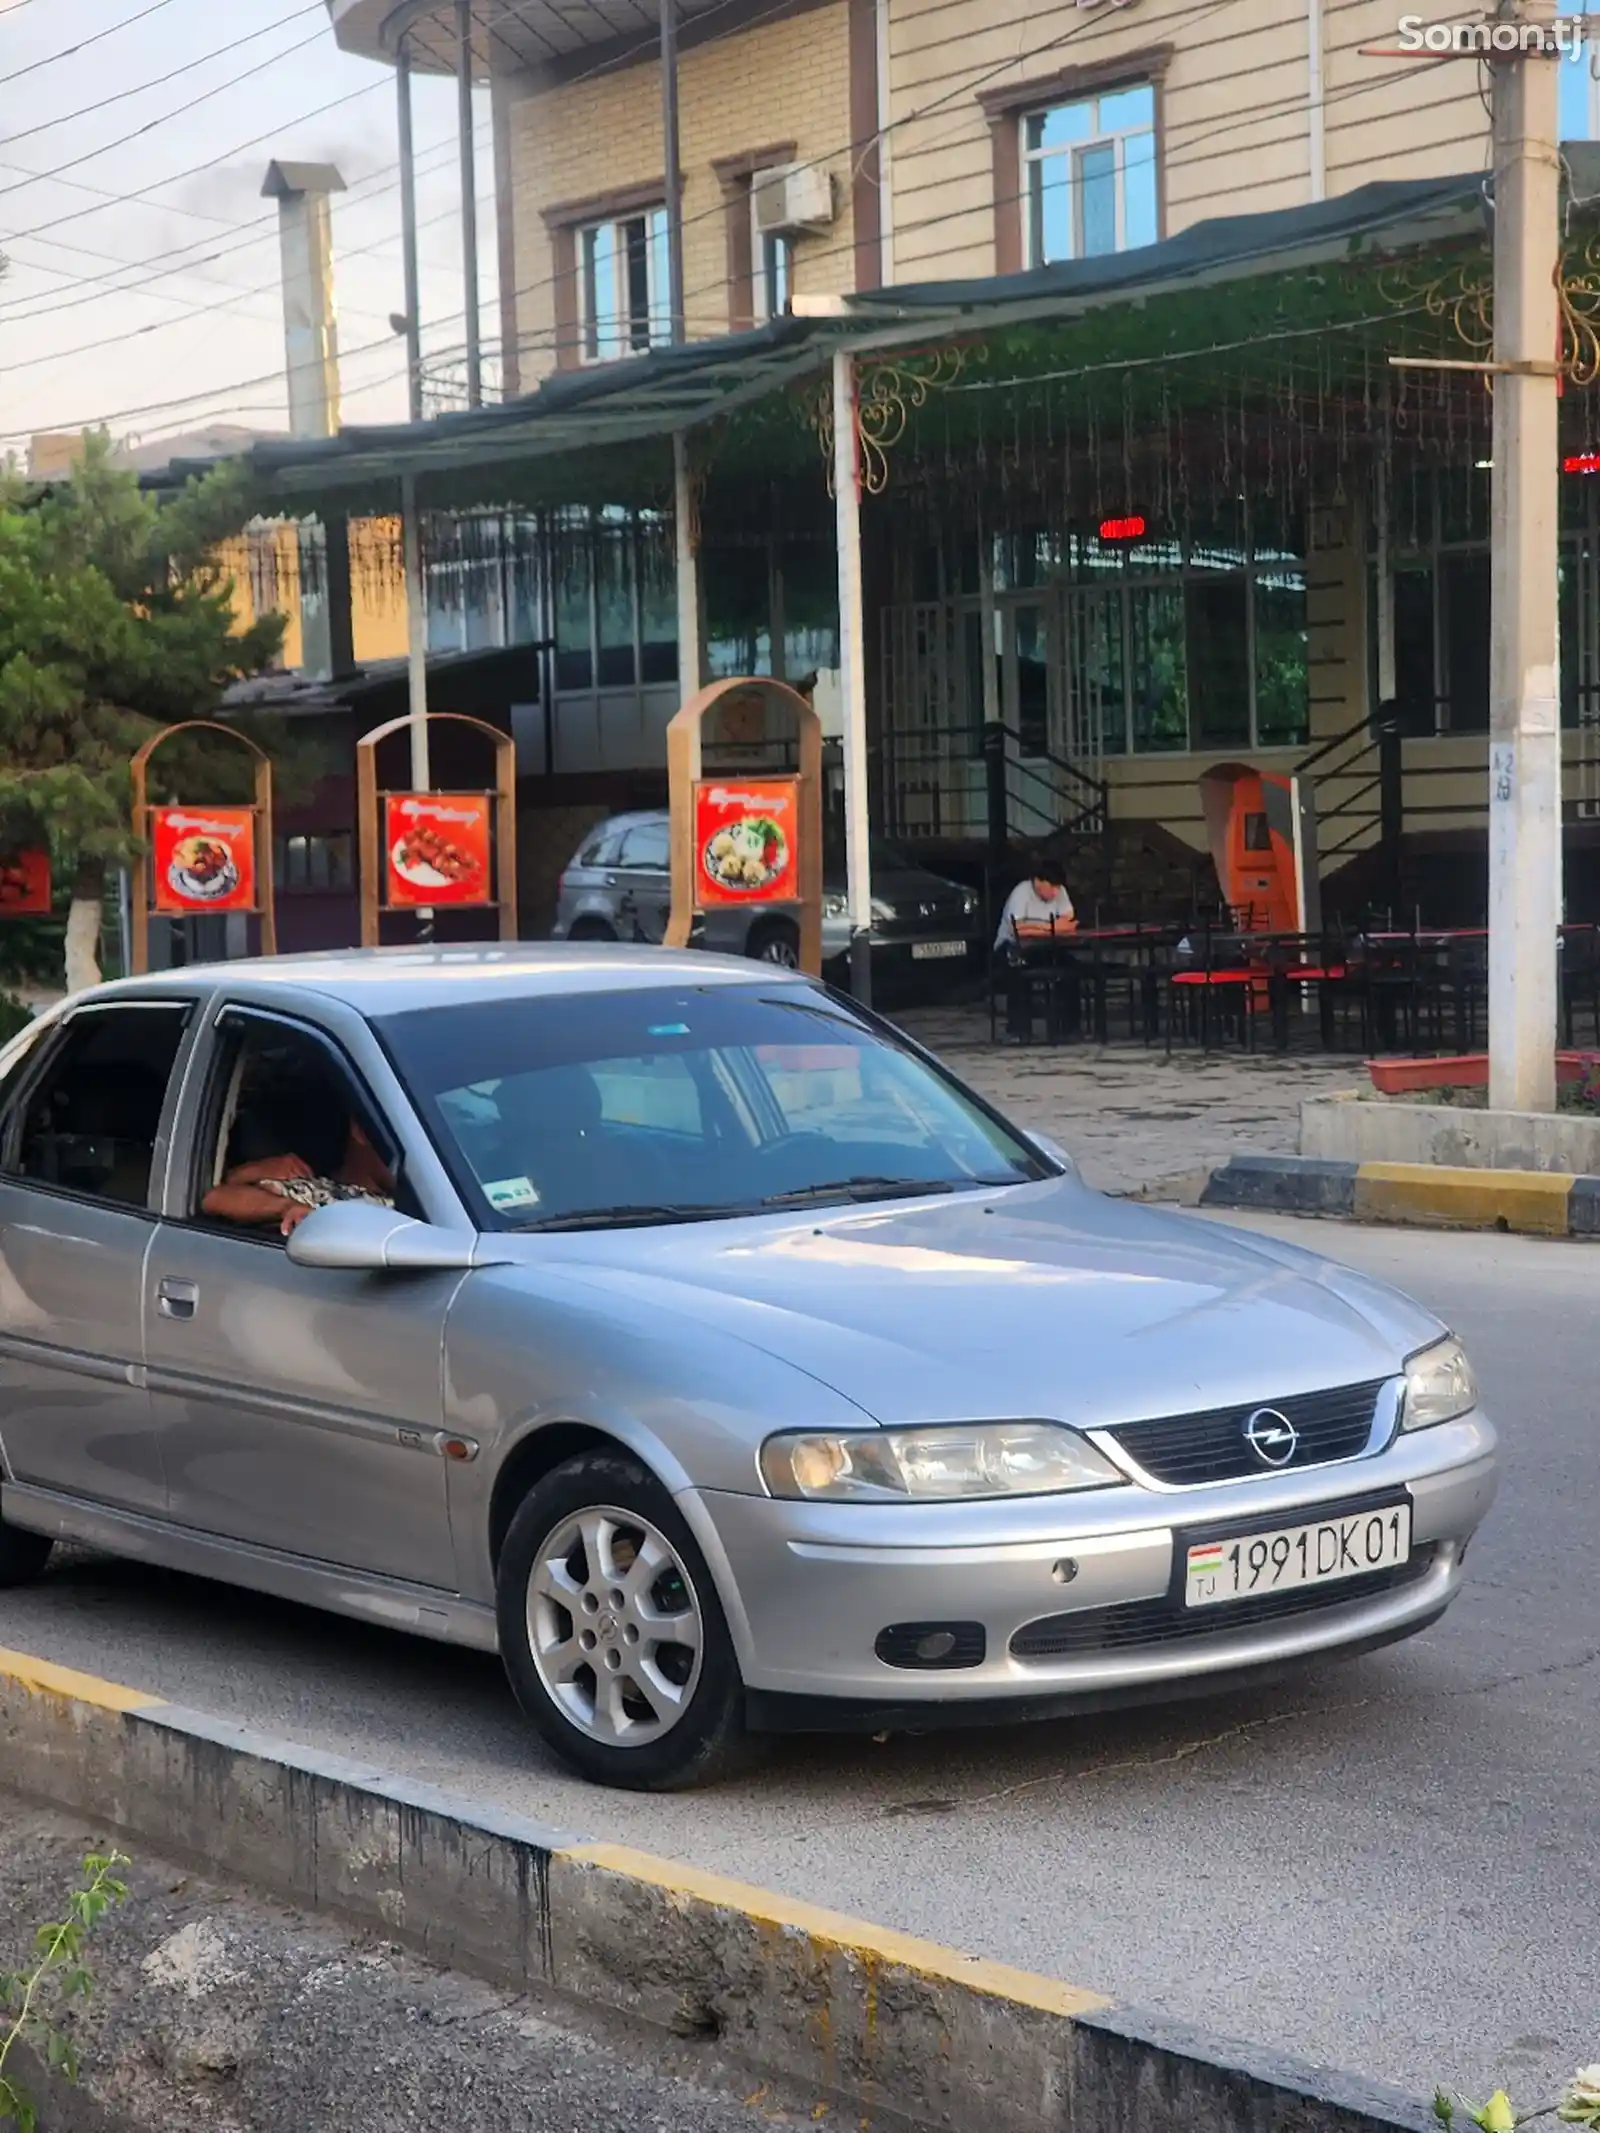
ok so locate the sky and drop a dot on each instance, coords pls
(141, 281)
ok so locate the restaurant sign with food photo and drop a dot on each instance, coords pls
(746, 842)
(25, 885)
(438, 848)
(204, 860)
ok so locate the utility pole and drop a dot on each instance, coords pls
(1525, 726)
(469, 202)
(676, 308)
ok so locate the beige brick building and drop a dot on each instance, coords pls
(834, 148)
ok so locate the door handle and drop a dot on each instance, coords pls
(178, 1299)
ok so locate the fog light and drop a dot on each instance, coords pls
(932, 1647)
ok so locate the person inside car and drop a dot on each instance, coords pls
(284, 1189)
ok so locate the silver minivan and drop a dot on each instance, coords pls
(618, 887)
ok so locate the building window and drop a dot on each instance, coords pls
(1163, 647)
(615, 599)
(771, 270)
(1089, 176)
(624, 284)
(323, 862)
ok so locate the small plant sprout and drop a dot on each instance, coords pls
(33, 1999)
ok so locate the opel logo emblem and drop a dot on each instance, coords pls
(1272, 1437)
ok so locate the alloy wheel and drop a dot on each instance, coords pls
(615, 1626)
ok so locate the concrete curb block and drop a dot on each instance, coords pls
(1529, 1202)
(878, 2017)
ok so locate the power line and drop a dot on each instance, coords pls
(226, 303)
(196, 170)
(71, 51)
(93, 155)
(432, 159)
(157, 81)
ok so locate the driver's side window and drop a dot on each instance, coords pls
(286, 1129)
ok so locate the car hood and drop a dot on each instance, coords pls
(1045, 1301)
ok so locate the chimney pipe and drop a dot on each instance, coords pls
(304, 192)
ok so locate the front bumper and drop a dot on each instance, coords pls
(808, 1587)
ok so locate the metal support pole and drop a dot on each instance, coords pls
(1525, 719)
(691, 672)
(670, 162)
(1315, 110)
(469, 202)
(416, 634)
(852, 672)
(1383, 573)
(408, 234)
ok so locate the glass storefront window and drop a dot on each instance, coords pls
(1282, 650)
(1158, 669)
(1219, 661)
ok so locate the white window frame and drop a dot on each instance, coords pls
(1037, 167)
(762, 307)
(610, 335)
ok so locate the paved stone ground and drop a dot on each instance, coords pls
(1131, 1116)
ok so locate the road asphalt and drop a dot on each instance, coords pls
(1387, 1865)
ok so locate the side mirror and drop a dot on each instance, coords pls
(356, 1237)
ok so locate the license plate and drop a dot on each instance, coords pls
(930, 951)
(1319, 1554)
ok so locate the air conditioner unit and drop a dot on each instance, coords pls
(793, 196)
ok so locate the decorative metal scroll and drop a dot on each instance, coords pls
(889, 390)
(1462, 297)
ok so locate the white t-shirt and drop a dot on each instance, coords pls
(1026, 907)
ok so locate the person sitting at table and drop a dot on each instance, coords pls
(1038, 909)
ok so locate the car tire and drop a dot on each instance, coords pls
(556, 1654)
(590, 929)
(23, 1555)
(778, 941)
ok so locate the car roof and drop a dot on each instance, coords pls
(613, 823)
(391, 981)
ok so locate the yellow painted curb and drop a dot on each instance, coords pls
(1528, 1201)
(44, 1679)
(835, 1931)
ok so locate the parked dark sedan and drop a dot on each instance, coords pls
(618, 888)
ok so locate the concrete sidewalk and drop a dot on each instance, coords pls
(1134, 1118)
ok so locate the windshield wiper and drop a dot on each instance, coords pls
(862, 1188)
(640, 1217)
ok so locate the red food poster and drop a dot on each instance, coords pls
(25, 886)
(747, 841)
(437, 847)
(204, 859)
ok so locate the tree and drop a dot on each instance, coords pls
(115, 619)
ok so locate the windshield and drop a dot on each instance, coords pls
(602, 1109)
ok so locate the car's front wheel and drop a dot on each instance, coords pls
(23, 1555)
(612, 1633)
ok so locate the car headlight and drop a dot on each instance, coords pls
(883, 910)
(835, 906)
(1440, 1386)
(944, 1465)
(969, 906)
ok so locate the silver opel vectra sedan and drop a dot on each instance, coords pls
(693, 1339)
